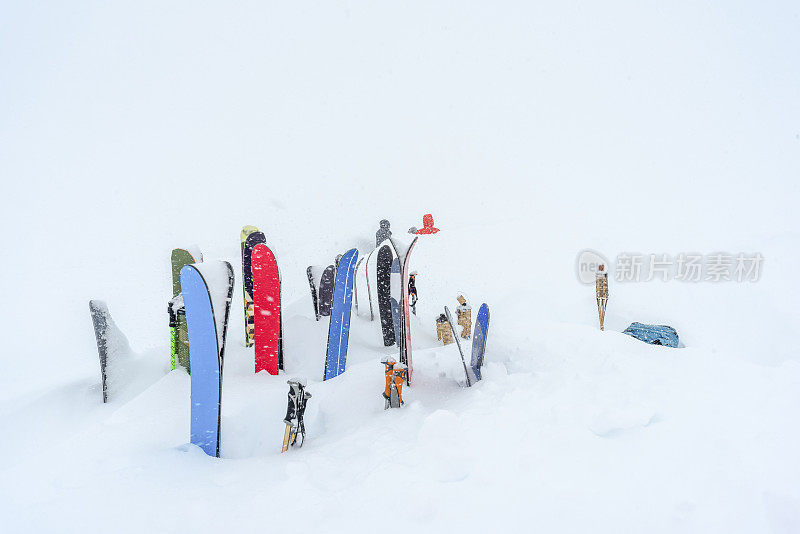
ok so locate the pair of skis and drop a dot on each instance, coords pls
(388, 278)
(339, 327)
(262, 301)
(473, 372)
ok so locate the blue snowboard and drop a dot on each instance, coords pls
(206, 349)
(479, 340)
(339, 329)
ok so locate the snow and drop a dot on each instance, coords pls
(532, 132)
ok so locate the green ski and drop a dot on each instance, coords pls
(179, 336)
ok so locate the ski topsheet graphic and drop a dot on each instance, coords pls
(384, 273)
(403, 253)
(111, 346)
(339, 329)
(179, 341)
(267, 300)
(470, 379)
(253, 238)
(207, 292)
(479, 340)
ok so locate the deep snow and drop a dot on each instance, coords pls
(531, 132)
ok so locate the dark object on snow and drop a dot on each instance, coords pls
(653, 334)
(383, 233)
(298, 396)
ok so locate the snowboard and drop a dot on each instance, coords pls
(207, 293)
(179, 338)
(339, 328)
(470, 379)
(384, 274)
(267, 306)
(248, 243)
(397, 310)
(479, 340)
(405, 340)
(326, 283)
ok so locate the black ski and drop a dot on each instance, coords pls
(325, 301)
(384, 294)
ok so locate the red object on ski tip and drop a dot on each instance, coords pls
(427, 225)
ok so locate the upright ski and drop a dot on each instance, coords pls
(253, 238)
(267, 305)
(179, 340)
(369, 289)
(326, 282)
(384, 274)
(355, 283)
(339, 329)
(313, 284)
(458, 342)
(479, 340)
(397, 310)
(99, 312)
(405, 340)
(207, 293)
(111, 344)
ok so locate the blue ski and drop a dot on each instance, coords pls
(207, 291)
(479, 340)
(339, 329)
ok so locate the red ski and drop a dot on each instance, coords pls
(267, 302)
